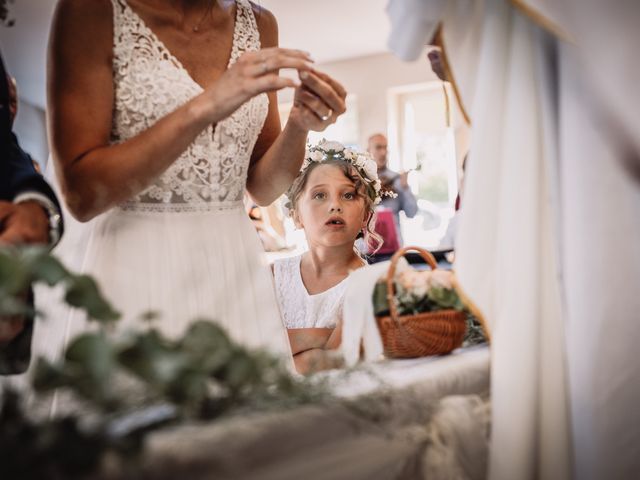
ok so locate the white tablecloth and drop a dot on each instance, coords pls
(397, 419)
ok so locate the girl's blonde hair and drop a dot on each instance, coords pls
(372, 240)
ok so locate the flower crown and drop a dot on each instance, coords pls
(365, 165)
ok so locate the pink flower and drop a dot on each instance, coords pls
(416, 283)
(442, 279)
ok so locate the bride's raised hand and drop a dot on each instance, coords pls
(318, 102)
(254, 73)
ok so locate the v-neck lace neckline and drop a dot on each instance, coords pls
(319, 294)
(178, 64)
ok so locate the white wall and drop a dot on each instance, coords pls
(369, 78)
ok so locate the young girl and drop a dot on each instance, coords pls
(333, 200)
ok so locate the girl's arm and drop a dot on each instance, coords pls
(321, 355)
(303, 339)
(335, 339)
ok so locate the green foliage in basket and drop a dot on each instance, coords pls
(410, 302)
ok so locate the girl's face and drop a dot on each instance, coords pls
(330, 209)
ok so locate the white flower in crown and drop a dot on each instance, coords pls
(349, 154)
(366, 166)
(327, 145)
(316, 156)
(371, 169)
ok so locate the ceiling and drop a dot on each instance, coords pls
(332, 29)
(329, 29)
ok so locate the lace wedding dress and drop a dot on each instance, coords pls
(183, 247)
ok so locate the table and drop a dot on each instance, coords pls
(395, 419)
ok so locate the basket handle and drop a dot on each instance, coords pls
(392, 271)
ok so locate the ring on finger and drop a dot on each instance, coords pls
(326, 117)
(265, 67)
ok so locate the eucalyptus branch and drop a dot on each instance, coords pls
(131, 383)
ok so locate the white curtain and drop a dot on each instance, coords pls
(550, 228)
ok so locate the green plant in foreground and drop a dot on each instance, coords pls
(130, 384)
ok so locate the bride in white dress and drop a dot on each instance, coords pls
(161, 114)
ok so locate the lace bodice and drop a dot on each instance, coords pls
(298, 308)
(149, 83)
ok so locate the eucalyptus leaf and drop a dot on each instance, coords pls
(189, 388)
(208, 345)
(153, 358)
(14, 275)
(241, 371)
(49, 270)
(94, 354)
(90, 362)
(48, 376)
(83, 292)
(11, 305)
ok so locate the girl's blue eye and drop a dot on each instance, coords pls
(350, 195)
(318, 195)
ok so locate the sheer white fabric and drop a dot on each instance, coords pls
(184, 247)
(299, 309)
(549, 226)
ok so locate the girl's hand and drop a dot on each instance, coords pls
(318, 102)
(335, 339)
(254, 73)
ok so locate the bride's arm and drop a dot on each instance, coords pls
(278, 155)
(95, 175)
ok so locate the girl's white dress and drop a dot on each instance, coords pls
(299, 308)
(184, 247)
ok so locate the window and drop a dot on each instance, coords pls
(421, 141)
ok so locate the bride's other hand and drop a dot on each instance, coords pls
(318, 102)
(254, 73)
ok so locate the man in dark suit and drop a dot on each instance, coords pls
(29, 214)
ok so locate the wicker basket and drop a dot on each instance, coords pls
(422, 334)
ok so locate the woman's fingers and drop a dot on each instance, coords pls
(314, 104)
(273, 59)
(325, 91)
(273, 64)
(310, 118)
(337, 86)
(265, 53)
(270, 83)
